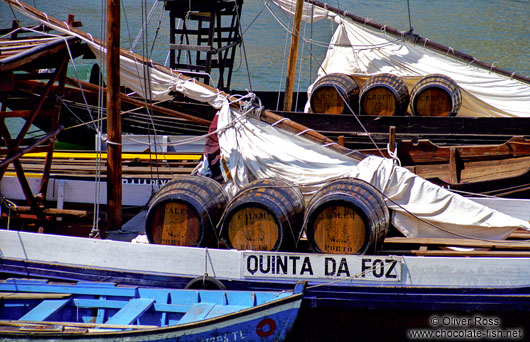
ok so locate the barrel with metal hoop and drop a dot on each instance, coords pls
(436, 95)
(266, 215)
(385, 95)
(346, 216)
(335, 94)
(185, 212)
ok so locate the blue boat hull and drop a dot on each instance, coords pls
(33, 310)
(369, 296)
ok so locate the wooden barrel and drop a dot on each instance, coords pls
(346, 216)
(384, 95)
(436, 95)
(332, 92)
(185, 212)
(267, 215)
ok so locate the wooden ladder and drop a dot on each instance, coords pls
(207, 37)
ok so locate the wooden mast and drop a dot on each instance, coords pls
(293, 55)
(114, 167)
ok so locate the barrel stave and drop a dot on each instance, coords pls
(266, 215)
(335, 93)
(384, 95)
(346, 216)
(436, 95)
(185, 212)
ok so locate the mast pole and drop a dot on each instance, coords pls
(114, 167)
(293, 55)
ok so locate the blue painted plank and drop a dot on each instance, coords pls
(73, 289)
(176, 308)
(220, 310)
(131, 311)
(197, 312)
(184, 296)
(45, 309)
(217, 297)
(100, 303)
(100, 317)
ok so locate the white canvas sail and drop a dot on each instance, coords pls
(253, 149)
(357, 49)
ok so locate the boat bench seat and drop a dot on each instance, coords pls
(197, 312)
(219, 310)
(200, 311)
(131, 311)
(45, 309)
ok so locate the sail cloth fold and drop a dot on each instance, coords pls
(154, 83)
(360, 50)
(252, 149)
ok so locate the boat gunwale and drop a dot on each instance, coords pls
(293, 297)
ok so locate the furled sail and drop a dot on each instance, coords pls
(156, 83)
(361, 50)
(253, 149)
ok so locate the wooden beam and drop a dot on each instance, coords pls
(54, 211)
(500, 244)
(114, 168)
(511, 254)
(293, 55)
(28, 149)
(74, 324)
(124, 98)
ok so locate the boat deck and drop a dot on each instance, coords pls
(516, 245)
(84, 165)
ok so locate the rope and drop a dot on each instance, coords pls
(393, 154)
(387, 198)
(10, 206)
(410, 21)
(73, 65)
(243, 46)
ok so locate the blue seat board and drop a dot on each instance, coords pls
(220, 310)
(131, 311)
(100, 317)
(161, 297)
(197, 312)
(176, 308)
(45, 309)
(99, 303)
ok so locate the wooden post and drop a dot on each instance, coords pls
(340, 140)
(293, 54)
(114, 167)
(392, 139)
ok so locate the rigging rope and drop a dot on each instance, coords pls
(410, 21)
(243, 46)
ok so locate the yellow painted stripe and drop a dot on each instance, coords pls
(27, 174)
(92, 155)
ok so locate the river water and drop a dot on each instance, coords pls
(494, 31)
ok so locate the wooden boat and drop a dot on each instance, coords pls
(349, 299)
(39, 310)
(392, 283)
(218, 99)
(483, 170)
